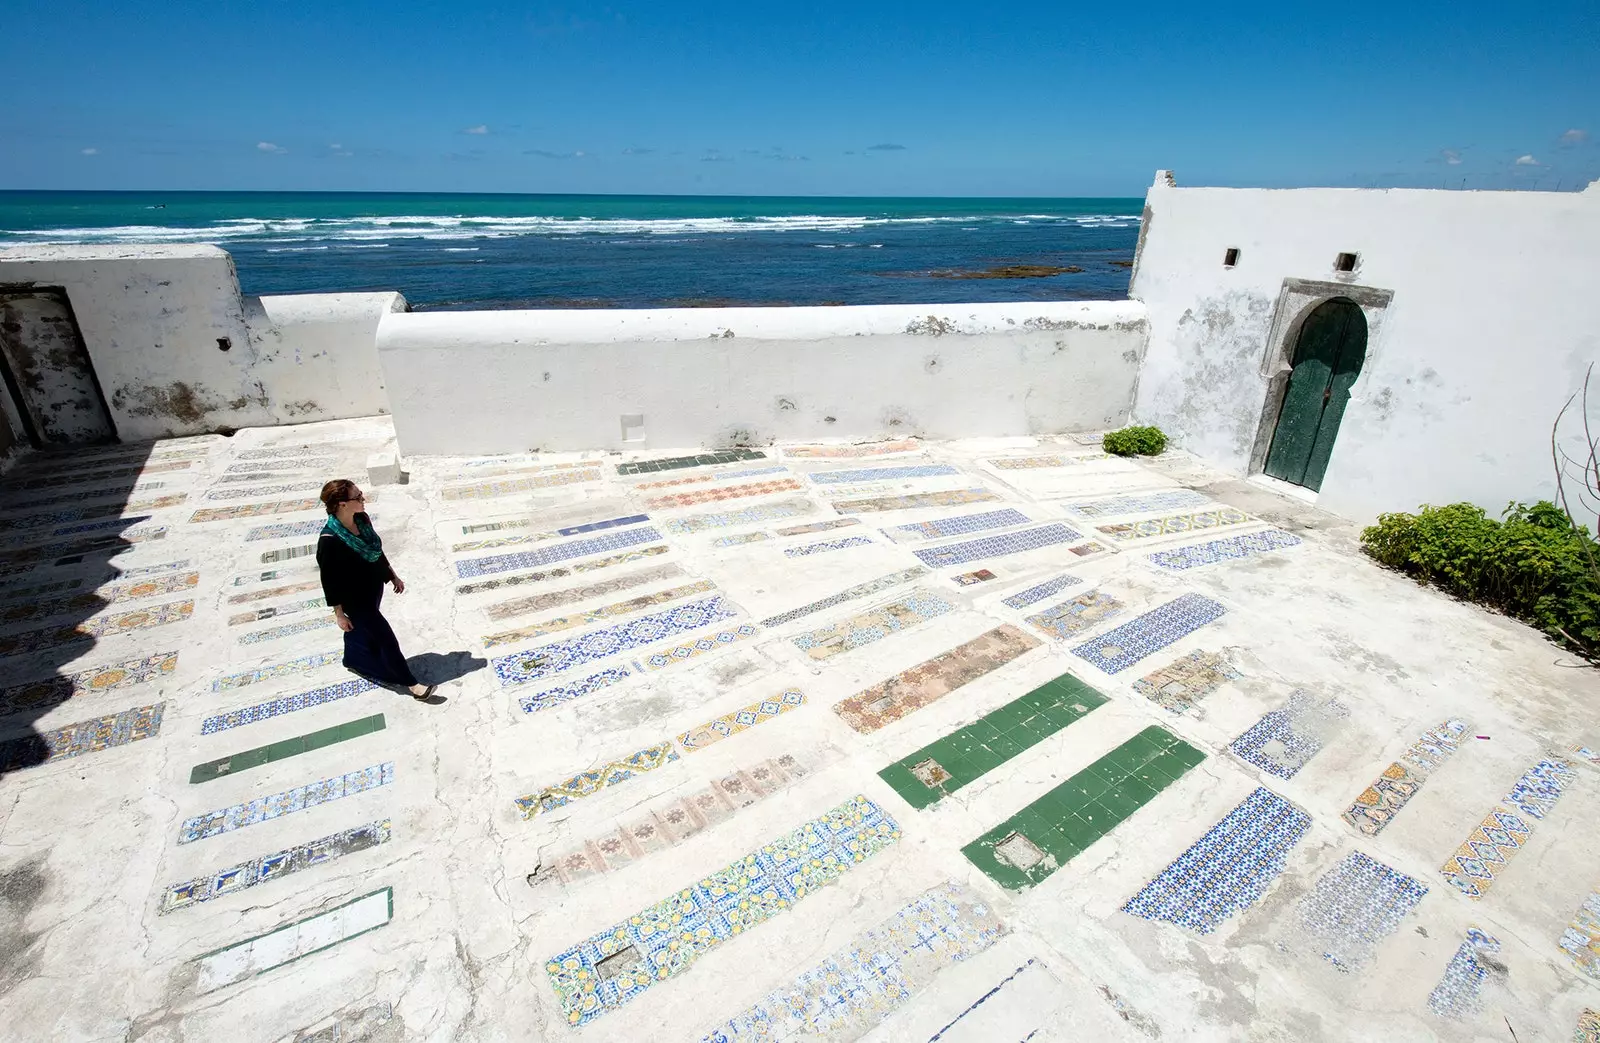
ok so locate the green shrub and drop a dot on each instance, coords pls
(1135, 441)
(1535, 565)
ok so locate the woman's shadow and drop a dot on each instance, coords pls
(434, 668)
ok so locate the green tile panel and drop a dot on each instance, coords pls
(968, 753)
(1082, 809)
(285, 749)
(699, 460)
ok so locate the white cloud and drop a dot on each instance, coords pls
(1451, 156)
(482, 128)
(1527, 161)
(336, 146)
(267, 146)
(90, 151)
(1575, 137)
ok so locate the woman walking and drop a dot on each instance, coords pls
(354, 570)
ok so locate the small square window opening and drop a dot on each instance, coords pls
(1231, 257)
(1345, 262)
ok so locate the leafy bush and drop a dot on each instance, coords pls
(1135, 441)
(1536, 565)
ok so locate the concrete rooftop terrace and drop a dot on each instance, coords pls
(976, 741)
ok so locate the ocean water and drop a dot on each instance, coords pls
(566, 251)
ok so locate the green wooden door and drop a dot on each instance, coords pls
(1327, 360)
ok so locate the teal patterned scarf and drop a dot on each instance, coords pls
(368, 544)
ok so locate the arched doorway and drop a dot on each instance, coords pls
(1327, 359)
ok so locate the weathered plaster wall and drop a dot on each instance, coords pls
(317, 353)
(1492, 322)
(484, 382)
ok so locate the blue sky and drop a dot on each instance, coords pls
(750, 97)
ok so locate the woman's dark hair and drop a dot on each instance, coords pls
(337, 492)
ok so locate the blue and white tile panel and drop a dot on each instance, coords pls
(544, 556)
(998, 546)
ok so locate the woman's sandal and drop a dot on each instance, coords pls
(425, 696)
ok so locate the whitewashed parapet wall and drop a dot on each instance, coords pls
(1484, 314)
(489, 382)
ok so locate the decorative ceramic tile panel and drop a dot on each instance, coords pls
(245, 875)
(484, 490)
(288, 704)
(916, 607)
(289, 554)
(289, 608)
(1231, 548)
(881, 474)
(662, 941)
(1581, 940)
(24, 593)
(133, 572)
(1181, 684)
(288, 452)
(104, 597)
(997, 546)
(105, 476)
(721, 476)
(761, 512)
(293, 941)
(1588, 1030)
(561, 552)
(119, 491)
(1400, 781)
(972, 579)
(574, 690)
(30, 557)
(256, 475)
(860, 590)
(741, 539)
(717, 729)
(304, 626)
(555, 599)
(933, 530)
(1076, 615)
(100, 526)
(261, 490)
(92, 736)
(275, 592)
(906, 445)
(233, 763)
(1023, 598)
(531, 665)
(1472, 869)
(285, 530)
(501, 582)
(119, 513)
(1354, 907)
(1174, 524)
(670, 824)
(597, 615)
(588, 783)
(1228, 869)
(1169, 500)
(827, 545)
(52, 691)
(1028, 996)
(911, 690)
(1459, 994)
(1026, 463)
(275, 574)
(1285, 740)
(300, 798)
(875, 974)
(536, 537)
(720, 493)
(107, 625)
(254, 510)
(1587, 755)
(821, 526)
(914, 501)
(677, 463)
(698, 647)
(1118, 649)
(306, 463)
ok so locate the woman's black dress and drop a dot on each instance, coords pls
(348, 580)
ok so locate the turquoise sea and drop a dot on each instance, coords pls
(564, 251)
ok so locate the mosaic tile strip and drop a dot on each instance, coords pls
(1231, 548)
(285, 530)
(112, 523)
(1034, 594)
(261, 490)
(720, 476)
(561, 573)
(528, 559)
(555, 599)
(1048, 833)
(114, 492)
(1169, 500)
(596, 615)
(274, 574)
(117, 512)
(609, 968)
(150, 570)
(1118, 649)
(731, 492)
(574, 690)
(827, 545)
(1584, 753)
(254, 510)
(967, 754)
(522, 667)
(107, 476)
(761, 512)
(1354, 907)
(287, 452)
(276, 611)
(741, 540)
(917, 607)
(970, 579)
(941, 527)
(1027, 463)
(1285, 740)
(304, 626)
(675, 463)
(588, 783)
(300, 798)
(698, 647)
(854, 989)
(284, 749)
(304, 463)
(1588, 1030)
(848, 451)
(293, 941)
(672, 823)
(860, 590)
(52, 691)
(98, 626)
(273, 592)
(1380, 802)
(1472, 869)
(288, 704)
(507, 487)
(1174, 524)
(1181, 684)
(271, 867)
(911, 690)
(717, 729)
(821, 526)
(254, 476)
(879, 474)
(536, 537)
(1459, 994)
(997, 546)
(91, 736)
(29, 557)
(1027, 997)
(914, 501)
(1075, 615)
(1227, 870)
(300, 665)
(289, 553)
(21, 593)
(1581, 940)
(94, 601)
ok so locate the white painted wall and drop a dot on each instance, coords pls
(488, 382)
(317, 353)
(1494, 318)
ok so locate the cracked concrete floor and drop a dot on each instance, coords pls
(89, 844)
